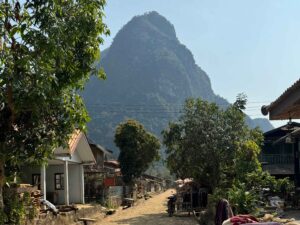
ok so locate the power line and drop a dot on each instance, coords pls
(162, 104)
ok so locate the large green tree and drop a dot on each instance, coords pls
(47, 51)
(204, 142)
(138, 149)
(216, 148)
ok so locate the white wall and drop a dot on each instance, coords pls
(74, 180)
(74, 183)
(50, 187)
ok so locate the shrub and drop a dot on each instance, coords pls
(18, 208)
(15, 210)
(243, 201)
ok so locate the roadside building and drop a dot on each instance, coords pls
(277, 156)
(61, 179)
(114, 187)
(153, 183)
(287, 107)
(96, 173)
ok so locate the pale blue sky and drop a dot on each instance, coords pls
(250, 46)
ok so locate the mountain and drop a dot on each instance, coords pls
(149, 75)
(264, 124)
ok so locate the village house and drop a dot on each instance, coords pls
(277, 156)
(61, 179)
(153, 183)
(96, 173)
(287, 107)
(114, 188)
(101, 155)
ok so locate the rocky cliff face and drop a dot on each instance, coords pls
(149, 75)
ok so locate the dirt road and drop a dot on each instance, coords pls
(150, 212)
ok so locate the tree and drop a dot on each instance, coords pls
(138, 149)
(216, 148)
(205, 140)
(48, 50)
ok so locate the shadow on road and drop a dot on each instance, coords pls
(293, 214)
(158, 219)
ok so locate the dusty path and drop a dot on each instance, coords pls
(150, 212)
(293, 214)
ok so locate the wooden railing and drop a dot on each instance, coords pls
(277, 159)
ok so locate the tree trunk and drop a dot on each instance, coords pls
(2, 177)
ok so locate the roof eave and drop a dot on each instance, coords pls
(287, 106)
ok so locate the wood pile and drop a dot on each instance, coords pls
(27, 195)
(26, 191)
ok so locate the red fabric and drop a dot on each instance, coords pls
(242, 219)
(110, 181)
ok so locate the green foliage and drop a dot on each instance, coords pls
(242, 200)
(246, 160)
(241, 101)
(18, 208)
(14, 210)
(3, 217)
(250, 180)
(30, 209)
(138, 149)
(205, 141)
(48, 50)
(284, 186)
(260, 179)
(244, 197)
(110, 205)
(216, 148)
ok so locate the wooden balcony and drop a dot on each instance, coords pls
(277, 158)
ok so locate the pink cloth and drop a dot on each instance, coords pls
(243, 219)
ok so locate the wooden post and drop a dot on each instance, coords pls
(82, 184)
(296, 163)
(43, 182)
(66, 182)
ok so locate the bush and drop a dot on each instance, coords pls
(284, 186)
(242, 201)
(18, 208)
(15, 210)
(3, 217)
(245, 197)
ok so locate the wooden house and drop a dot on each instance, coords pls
(277, 157)
(287, 107)
(96, 173)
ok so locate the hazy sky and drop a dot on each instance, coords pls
(250, 46)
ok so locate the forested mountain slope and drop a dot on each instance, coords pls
(149, 75)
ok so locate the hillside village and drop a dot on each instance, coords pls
(134, 134)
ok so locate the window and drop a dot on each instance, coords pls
(59, 181)
(36, 180)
